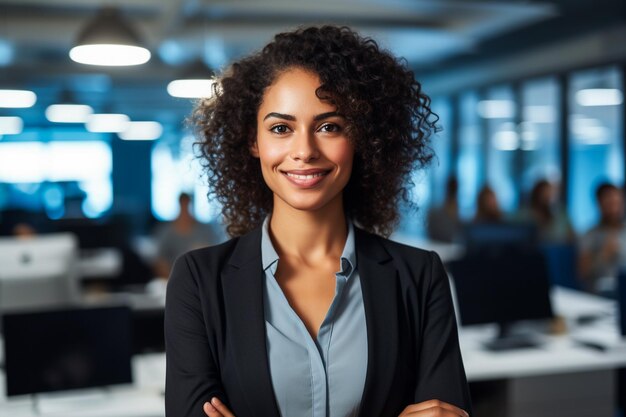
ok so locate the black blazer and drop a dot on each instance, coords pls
(215, 330)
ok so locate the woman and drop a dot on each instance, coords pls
(303, 313)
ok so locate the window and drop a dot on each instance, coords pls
(470, 166)
(50, 173)
(498, 110)
(596, 151)
(539, 132)
(175, 169)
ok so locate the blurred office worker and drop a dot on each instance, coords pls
(179, 236)
(487, 207)
(603, 247)
(553, 225)
(443, 223)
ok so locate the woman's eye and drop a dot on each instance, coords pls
(280, 129)
(330, 127)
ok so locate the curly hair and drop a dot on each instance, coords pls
(388, 119)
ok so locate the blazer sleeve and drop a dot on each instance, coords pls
(440, 372)
(192, 376)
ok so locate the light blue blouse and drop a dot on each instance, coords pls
(323, 377)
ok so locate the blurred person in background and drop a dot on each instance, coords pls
(443, 222)
(179, 236)
(553, 225)
(487, 207)
(603, 247)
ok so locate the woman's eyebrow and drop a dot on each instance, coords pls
(280, 116)
(292, 118)
(326, 115)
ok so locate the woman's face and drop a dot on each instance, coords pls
(305, 154)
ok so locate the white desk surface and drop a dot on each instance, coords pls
(559, 354)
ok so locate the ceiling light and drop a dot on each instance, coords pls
(506, 140)
(599, 97)
(196, 81)
(67, 110)
(142, 131)
(539, 114)
(17, 98)
(496, 109)
(68, 113)
(107, 123)
(11, 125)
(589, 130)
(109, 40)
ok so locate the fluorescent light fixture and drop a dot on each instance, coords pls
(142, 131)
(17, 99)
(506, 140)
(107, 123)
(191, 88)
(110, 55)
(496, 109)
(599, 97)
(11, 125)
(539, 114)
(68, 113)
(109, 40)
(589, 131)
(195, 81)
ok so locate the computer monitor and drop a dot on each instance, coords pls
(502, 287)
(39, 271)
(67, 349)
(491, 234)
(94, 234)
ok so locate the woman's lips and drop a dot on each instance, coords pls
(305, 178)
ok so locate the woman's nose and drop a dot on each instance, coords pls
(304, 147)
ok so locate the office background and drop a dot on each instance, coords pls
(505, 79)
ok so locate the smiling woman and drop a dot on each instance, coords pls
(309, 310)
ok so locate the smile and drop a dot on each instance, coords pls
(306, 178)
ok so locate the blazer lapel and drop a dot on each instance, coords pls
(379, 286)
(243, 301)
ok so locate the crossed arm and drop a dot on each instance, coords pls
(431, 408)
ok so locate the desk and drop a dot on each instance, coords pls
(562, 377)
(144, 398)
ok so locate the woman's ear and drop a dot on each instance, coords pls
(254, 149)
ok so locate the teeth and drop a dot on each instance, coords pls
(304, 177)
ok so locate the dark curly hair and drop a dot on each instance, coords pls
(388, 118)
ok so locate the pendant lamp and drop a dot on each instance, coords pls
(67, 110)
(196, 81)
(109, 40)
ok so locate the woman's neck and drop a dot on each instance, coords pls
(310, 236)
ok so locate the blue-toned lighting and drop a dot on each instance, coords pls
(7, 53)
